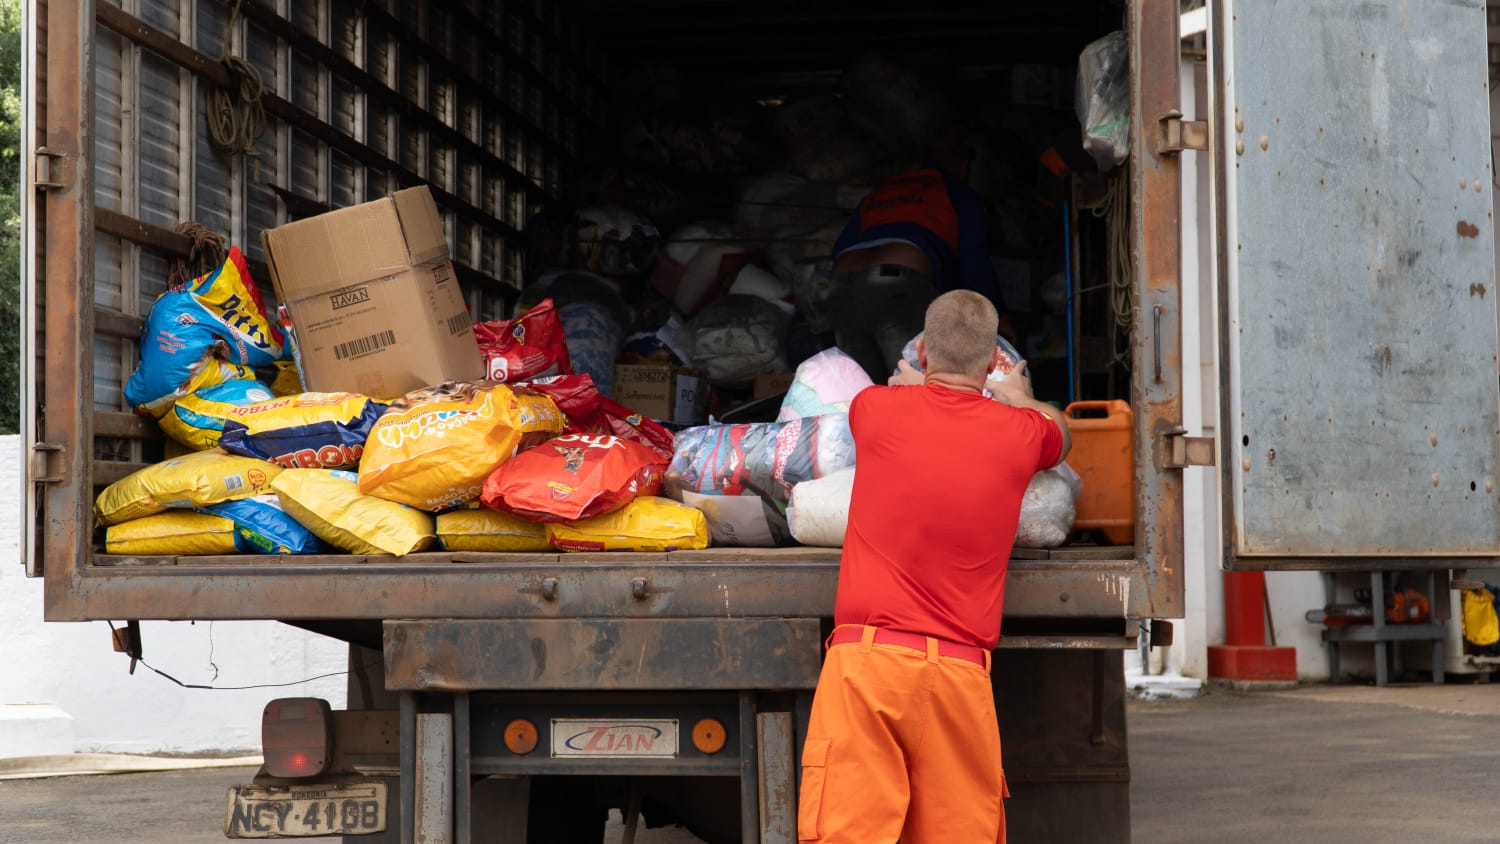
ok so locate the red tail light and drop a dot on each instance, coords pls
(296, 736)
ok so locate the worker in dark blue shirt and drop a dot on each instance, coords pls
(917, 235)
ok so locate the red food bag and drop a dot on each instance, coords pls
(530, 346)
(588, 412)
(574, 477)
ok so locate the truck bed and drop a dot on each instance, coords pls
(1071, 586)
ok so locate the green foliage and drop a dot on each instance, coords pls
(10, 215)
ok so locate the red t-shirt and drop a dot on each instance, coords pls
(937, 497)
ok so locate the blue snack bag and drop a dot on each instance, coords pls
(261, 526)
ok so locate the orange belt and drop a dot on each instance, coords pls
(854, 633)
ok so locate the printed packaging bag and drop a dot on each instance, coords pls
(217, 317)
(434, 447)
(530, 346)
(305, 431)
(575, 476)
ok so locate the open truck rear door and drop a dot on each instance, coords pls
(1357, 310)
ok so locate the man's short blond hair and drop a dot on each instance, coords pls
(960, 333)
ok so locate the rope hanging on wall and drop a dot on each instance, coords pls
(236, 118)
(204, 256)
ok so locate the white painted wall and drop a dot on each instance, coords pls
(72, 667)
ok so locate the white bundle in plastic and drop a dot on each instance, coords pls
(827, 382)
(1047, 509)
(818, 513)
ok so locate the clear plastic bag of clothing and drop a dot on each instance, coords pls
(1102, 99)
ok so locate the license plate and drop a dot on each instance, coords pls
(648, 738)
(299, 811)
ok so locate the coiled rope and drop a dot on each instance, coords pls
(236, 118)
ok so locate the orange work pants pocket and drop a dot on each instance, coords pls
(814, 779)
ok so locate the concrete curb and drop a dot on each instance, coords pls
(82, 764)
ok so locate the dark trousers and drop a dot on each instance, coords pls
(877, 311)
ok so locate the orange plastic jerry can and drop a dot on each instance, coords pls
(1103, 456)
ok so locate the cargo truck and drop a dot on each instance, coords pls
(1309, 184)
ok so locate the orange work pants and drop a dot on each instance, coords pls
(902, 745)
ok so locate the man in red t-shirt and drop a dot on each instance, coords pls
(903, 741)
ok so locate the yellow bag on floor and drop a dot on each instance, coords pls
(329, 504)
(165, 534)
(487, 530)
(434, 447)
(1481, 623)
(193, 480)
(648, 523)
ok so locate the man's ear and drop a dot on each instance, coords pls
(922, 353)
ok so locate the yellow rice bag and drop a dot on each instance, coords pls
(193, 480)
(648, 523)
(328, 503)
(434, 447)
(182, 532)
(197, 420)
(488, 530)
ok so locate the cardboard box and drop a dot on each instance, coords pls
(662, 392)
(770, 385)
(374, 301)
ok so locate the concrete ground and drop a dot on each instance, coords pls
(1327, 764)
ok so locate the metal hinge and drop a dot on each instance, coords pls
(43, 168)
(46, 460)
(1175, 134)
(1187, 451)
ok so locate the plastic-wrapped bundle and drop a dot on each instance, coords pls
(1008, 362)
(825, 383)
(765, 460)
(594, 339)
(804, 259)
(736, 338)
(818, 513)
(1047, 509)
(1102, 99)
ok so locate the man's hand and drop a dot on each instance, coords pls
(1015, 389)
(906, 376)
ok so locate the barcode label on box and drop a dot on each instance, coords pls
(440, 274)
(234, 482)
(458, 324)
(364, 345)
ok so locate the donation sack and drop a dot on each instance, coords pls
(1009, 357)
(1047, 508)
(180, 532)
(193, 480)
(589, 412)
(262, 526)
(434, 447)
(197, 420)
(575, 476)
(648, 523)
(305, 431)
(827, 382)
(530, 346)
(818, 513)
(330, 505)
(488, 530)
(217, 317)
(742, 476)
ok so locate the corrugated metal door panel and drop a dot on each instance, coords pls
(152, 278)
(160, 104)
(345, 30)
(213, 183)
(345, 107)
(165, 15)
(262, 207)
(305, 172)
(306, 83)
(109, 122)
(346, 178)
(210, 20)
(109, 374)
(109, 274)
